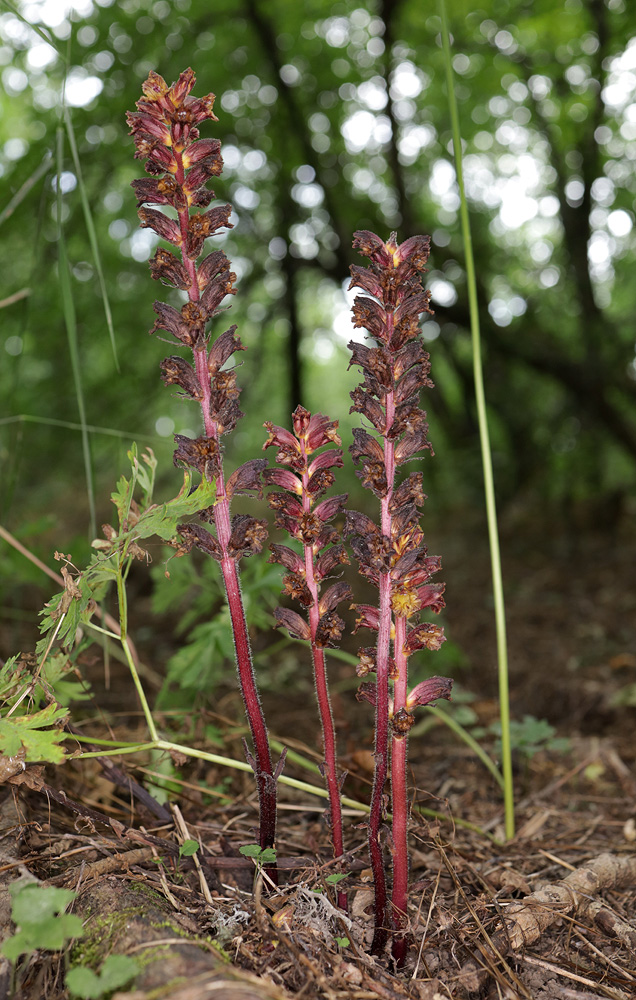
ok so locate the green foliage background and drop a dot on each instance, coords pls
(333, 117)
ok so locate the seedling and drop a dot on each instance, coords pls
(264, 858)
(38, 912)
(528, 736)
(117, 971)
(335, 878)
(188, 848)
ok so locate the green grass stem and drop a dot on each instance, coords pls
(488, 762)
(92, 236)
(491, 509)
(294, 757)
(150, 722)
(70, 320)
(112, 749)
(29, 418)
(46, 35)
(24, 189)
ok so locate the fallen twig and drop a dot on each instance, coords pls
(525, 921)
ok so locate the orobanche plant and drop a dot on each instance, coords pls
(166, 135)
(391, 553)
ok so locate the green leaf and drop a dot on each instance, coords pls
(530, 735)
(188, 848)
(159, 519)
(28, 732)
(162, 519)
(83, 982)
(36, 910)
(78, 612)
(335, 878)
(10, 742)
(33, 902)
(251, 851)
(11, 678)
(24, 942)
(264, 855)
(163, 787)
(121, 497)
(116, 971)
(56, 931)
(57, 677)
(146, 476)
(201, 664)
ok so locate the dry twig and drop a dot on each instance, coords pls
(525, 922)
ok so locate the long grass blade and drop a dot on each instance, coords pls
(44, 34)
(29, 418)
(24, 189)
(92, 236)
(68, 307)
(484, 437)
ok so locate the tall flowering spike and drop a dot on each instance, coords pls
(304, 478)
(393, 557)
(165, 130)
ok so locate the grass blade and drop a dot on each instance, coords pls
(92, 236)
(44, 34)
(29, 418)
(68, 308)
(30, 182)
(484, 437)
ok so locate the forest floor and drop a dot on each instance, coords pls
(545, 916)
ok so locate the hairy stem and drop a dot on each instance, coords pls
(399, 801)
(381, 752)
(263, 766)
(382, 706)
(264, 769)
(322, 688)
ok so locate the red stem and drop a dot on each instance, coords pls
(381, 752)
(265, 772)
(322, 692)
(382, 700)
(399, 802)
(264, 769)
(331, 767)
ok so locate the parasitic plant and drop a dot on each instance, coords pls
(304, 480)
(393, 556)
(165, 129)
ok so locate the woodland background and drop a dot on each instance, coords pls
(333, 117)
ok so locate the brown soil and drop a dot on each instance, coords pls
(548, 915)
